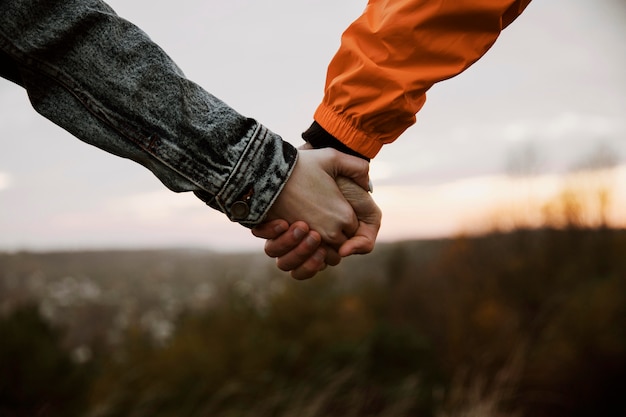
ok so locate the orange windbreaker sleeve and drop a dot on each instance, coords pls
(393, 53)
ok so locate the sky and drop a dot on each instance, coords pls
(551, 87)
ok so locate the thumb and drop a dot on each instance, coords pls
(352, 167)
(369, 216)
(361, 244)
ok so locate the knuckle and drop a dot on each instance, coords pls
(335, 237)
(303, 251)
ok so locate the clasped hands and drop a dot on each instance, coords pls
(323, 213)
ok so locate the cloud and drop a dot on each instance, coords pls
(160, 219)
(5, 181)
(156, 206)
(471, 204)
(563, 127)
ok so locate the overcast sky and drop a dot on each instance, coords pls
(554, 82)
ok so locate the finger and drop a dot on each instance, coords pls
(298, 256)
(332, 256)
(271, 229)
(335, 240)
(365, 237)
(315, 264)
(311, 266)
(357, 245)
(369, 215)
(350, 227)
(288, 241)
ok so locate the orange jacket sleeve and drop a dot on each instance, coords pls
(393, 53)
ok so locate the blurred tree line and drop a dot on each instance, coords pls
(527, 322)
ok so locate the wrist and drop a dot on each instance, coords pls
(319, 138)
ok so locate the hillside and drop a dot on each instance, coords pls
(526, 323)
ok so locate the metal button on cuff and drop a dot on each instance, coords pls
(239, 210)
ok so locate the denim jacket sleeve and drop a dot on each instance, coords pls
(103, 80)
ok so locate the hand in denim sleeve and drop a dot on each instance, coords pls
(300, 250)
(103, 79)
(322, 205)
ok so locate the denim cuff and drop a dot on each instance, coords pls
(256, 181)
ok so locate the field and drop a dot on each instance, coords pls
(517, 323)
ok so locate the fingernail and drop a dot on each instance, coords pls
(370, 185)
(280, 228)
(298, 233)
(311, 241)
(319, 255)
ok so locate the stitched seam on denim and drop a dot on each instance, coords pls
(222, 195)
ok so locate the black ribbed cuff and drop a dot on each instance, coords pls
(319, 138)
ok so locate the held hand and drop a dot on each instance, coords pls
(369, 215)
(298, 250)
(311, 194)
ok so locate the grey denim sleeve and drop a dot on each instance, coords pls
(103, 80)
